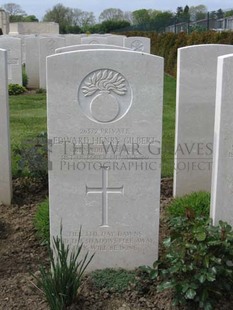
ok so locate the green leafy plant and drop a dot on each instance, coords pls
(16, 89)
(193, 205)
(117, 280)
(41, 221)
(61, 283)
(24, 77)
(32, 157)
(41, 91)
(197, 263)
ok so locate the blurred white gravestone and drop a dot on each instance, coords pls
(88, 47)
(14, 56)
(222, 177)
(47, 47)
(116, 40)
(94, 40)
(138, 44)
(72, 39)
(195, 112)
(32, 61)
(104, 123)
(5, 150)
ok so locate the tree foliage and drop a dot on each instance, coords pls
(21, 18)
(152, 19)
(217, 14)
(128, 16)
(69, 19)
(31, 18)
(17, 14)
(111, 14)
(59, 14)
(228, 13)
(162, 20)
(82, 19)
(141, 16)
(182, 14)
(111, 25)
(198, 12)
(13, 9)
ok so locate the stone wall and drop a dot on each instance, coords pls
(34, 28)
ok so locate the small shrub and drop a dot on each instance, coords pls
(61, 282)
(16, 89)
(32, 158)
(197, 263)
(24, 77)
(117, 280)
(193, 205)
(41, 221)
(41, 91)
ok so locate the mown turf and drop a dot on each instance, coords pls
(27, 120)
(168, 126)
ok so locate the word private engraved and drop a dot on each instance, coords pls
(105, 190)
(105, 96)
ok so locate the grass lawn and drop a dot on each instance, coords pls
(28, 119)
(168, 126)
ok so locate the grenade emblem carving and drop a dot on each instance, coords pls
(103, 90)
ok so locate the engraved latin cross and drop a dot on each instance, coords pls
(105, 190)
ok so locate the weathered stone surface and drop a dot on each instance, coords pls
(32, 61)
(14, 58)
(81, 47)
(195, 111)
(116, 40)
(138, 44)
(47, 46)
(104, 124)
(5, 151)
(222, 178)
(94, 40)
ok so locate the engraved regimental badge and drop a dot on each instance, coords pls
(105, 96)
(137, 45)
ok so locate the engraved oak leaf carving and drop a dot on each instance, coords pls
(105, 81)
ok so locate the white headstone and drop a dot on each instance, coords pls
(106, 176)
(88, 47)
(5, 151)
(93, 40)
(47, 47)
(195, 111)
(222, 177)
(32, 61)
(138, 44)
(116, 40)
(23, 51)
(13, 47)
(72, 39)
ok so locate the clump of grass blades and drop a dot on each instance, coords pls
(196, 204)
(41, 221)
(60, 284)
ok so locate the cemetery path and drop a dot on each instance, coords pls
(21, 254)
